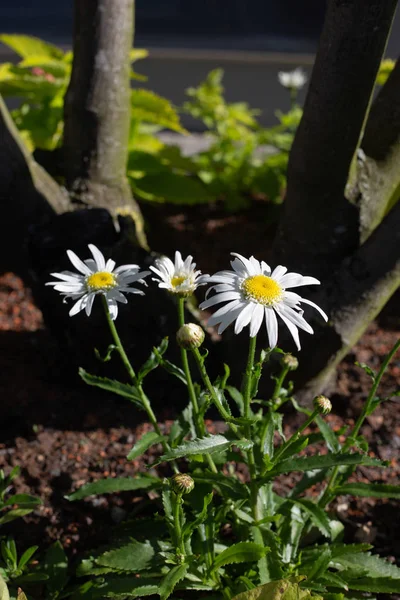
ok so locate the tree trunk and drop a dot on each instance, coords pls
(375, 185)
(354, 296)
(320, 230)
(97, 108)
(320, 226)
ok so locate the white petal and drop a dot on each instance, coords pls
(78, 306)
(256, 320)
(126, 278)
(89, 304)
(123, 268)
(295, 317)
(291, 280)
(230, 317)
(272, 326)
(67, 276)
(98, 257)
(321, 312)
(70, 288)
(112, 308)
(278, 272)
(89, 262)
(110, 264)
(221, 287)
(256, 265)
(246, 262)
(291, 326)
(224, 297)
(78, 264)
(116, 295)
(178, 261)
(244, 317)
(216, 317)
(266, 269)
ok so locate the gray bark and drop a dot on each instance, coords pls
(320, 226)
(97, 107)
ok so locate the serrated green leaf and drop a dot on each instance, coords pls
(151, 108)
(229, 486)
(366, 369)
(201, 517)
(115, 484)
(26, 45)
(318, 516)
(111, 385)
(169, 582)
(170, 367)
(370, 490)
(27, 555)
(319, 565)
(332, 579)
(23, 501)
(206, 445)
(55, 566)
(153, 361)
(132, 557)
(237, 397)
(240, 553)
(375, 566)
(290, 533)
(329, 436)
(124, 587)
(13, 514)
(146, 441)
(377, 585)
(309, 463)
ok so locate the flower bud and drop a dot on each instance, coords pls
(182, 483)
(190, 336)
(323, 405)
(290, 361)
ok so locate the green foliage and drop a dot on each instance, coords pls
(14, 506)
(115, 484)
(243, 161)
(238, 163)
(276, 546)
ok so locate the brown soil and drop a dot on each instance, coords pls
(63, 434)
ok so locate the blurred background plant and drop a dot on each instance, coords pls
(243, 161)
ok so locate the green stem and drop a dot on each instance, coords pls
(295, 436)
(207, 382)
(125, 360)
(277, 390)
(178, 524)
(198, 420)
(326, 496)
(248, 376)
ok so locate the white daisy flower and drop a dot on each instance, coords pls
(293, 79)
(180, 277)
(253, 294)
(96, 276)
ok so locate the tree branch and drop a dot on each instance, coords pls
(320, 227)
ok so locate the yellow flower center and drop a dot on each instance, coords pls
(103, 280)
(177, 280)
(262, 289)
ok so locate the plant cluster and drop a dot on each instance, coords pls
(244, 160)
(216, 526)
